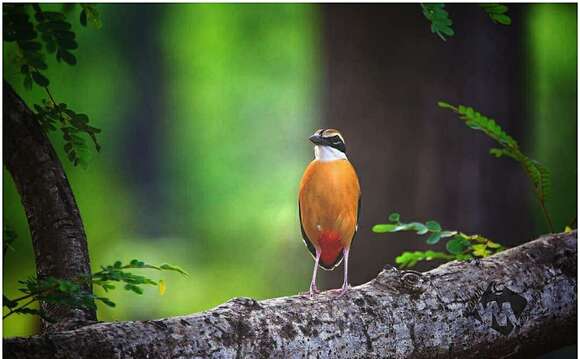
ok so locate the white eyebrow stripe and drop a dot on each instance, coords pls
(331, 132)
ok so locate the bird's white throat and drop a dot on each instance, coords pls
(327, 153)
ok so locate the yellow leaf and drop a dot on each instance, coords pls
(567, 229)
(479, 250)
(162, 287)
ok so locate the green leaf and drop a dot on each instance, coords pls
(497, 152)
(36, 60)
(53, 15)
(394, 217)
(446, 234)
(434, 238)
(404, 227)
(493, 245)
(410, 259)
(136, 263)
(497, 13)
(107, 287)
(444, 104)
(502, 19)
(82, 117)
(53, 26)
(66, 44)
(8, 303)
(40, 79)
(457, 245)
(439, 18)
(419, 227)
(173, 268)
(106, 301)
(92, 15)
(494, 8)
(27, 311)
(480, 250)
(384, 228)
(83, 18)
(134, 288)
(66, 57)
(30, 45)
(433, 226)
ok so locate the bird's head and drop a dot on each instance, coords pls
(328, 145)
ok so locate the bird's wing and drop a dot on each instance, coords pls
(357, 218)
(309, 244)
(358, 211)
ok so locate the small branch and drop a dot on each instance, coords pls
(50, 96)
(12, 311)
(547, 216)
(518, 303)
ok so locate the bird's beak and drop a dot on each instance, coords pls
(317, 139)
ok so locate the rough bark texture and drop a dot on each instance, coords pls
(519, 303)
(58, 235)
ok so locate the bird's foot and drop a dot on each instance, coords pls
(311, 292)
(343, 290)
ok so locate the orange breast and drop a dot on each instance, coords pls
(329, 194)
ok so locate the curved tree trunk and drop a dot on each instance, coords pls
(519, 303)
(58, 235)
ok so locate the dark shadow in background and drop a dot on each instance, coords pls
(385, 72)
(412, 157)
(142, 132)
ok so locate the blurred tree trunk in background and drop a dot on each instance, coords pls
(385, 73)
(551, 86)
(143, 131)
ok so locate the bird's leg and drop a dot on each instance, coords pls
(345, 285)
(313, 288)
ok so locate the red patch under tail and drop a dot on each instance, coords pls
(330, 247)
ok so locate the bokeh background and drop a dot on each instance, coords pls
(206, 110)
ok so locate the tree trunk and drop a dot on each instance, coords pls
(58, 235)
(519, 303)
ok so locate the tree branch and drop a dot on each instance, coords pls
(58, 235)
(519, 303)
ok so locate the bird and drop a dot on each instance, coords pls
(329, 205)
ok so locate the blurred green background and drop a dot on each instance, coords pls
(205, 111)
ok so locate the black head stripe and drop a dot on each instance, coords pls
(336, 142)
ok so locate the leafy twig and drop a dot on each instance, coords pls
(439, 18)
(53, 290)
(538, 174)
(58, 38)
(459, 246)
(441, 24)
(497, 13)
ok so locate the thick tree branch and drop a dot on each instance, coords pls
(519, 303)
(58, 235)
